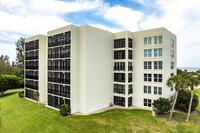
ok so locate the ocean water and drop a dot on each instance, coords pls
(189, 69)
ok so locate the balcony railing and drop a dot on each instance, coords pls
(58, 43)
(31, 57)
(52, 91)
(32, 48)
(31, 86)
(31, 67)
(59, 80)
(31, 77)
(65, 68)
(62, 55)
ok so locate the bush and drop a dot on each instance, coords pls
(21, 94)
(183, 101)
(161, 106)
(10, 82)
(65, 109)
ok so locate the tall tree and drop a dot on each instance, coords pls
(176, 81)
(193, 81)
(20, 44)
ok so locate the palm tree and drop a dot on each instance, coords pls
(177, 80)
(193, 81)
(36, 95)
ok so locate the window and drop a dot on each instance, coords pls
(157, 64)
(172, 43)
(119, 89)
(157, 39)
(130, 77)
(171, 99)
(119, 66)
(119, 101)
(147, 53)
(119, 43)
(119, 54)
(130, 89)
(172, 88)
(119, 77)
(158, 90)
(129, 101)
(147, 64)
(157, 77)
(147, 77)
(158, 52)
(172, 74)
(147, 89)
(147, 41)
(147, 102)
(130, 54)
(172, 65)
(130, 66)
(130, 43)
(172, 54)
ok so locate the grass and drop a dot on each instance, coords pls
(19, 115)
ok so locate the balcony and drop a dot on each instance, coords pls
(31, 77)
(59, 80)
(31, 67)
(62, 55)
(61, 68)
(59, 42)
(31, 57)
(35, 87)
(52, 91)
(31, 48)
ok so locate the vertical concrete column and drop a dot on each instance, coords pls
(126, 72)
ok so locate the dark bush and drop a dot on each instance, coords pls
(21, 94)
(10, 82)
(183, 101)
(161, 106)
(65, 109)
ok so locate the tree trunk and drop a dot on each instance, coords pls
(170, 116)
(190, 105)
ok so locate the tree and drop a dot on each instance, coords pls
(36, 96)
(193, 81)
(20, 44)
(177, 79)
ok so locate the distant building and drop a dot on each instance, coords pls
(89, 68)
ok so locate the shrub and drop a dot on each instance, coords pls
(161, 106)
(183, 101)
(21, 94)
(9, 82)
(65, 109)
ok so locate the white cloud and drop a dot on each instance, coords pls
(8, 49)
(183, 19)
(126, 17)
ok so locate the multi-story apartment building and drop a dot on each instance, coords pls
(90, 69)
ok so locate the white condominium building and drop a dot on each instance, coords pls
(90, 69)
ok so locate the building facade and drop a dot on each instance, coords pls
(90, 69)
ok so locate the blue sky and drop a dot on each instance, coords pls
(27, 18)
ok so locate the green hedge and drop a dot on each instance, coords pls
(10, 82)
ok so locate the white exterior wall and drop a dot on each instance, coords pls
(42, 68)
(138, 67)
(98, 68)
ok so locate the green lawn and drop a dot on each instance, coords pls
(22, 116)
